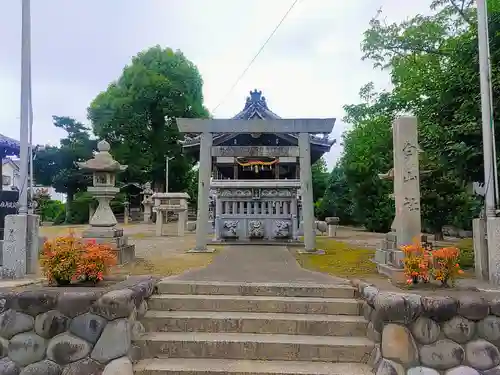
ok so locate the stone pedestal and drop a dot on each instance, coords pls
(170, 202)
(333, 223)
(21, 246)
(480, 249)
(115, 238)
(493, 238)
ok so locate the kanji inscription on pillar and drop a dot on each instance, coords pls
(406, 179)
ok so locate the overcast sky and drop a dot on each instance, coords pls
(311, 67)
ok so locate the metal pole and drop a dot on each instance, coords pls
(25, 105)
(486, 110)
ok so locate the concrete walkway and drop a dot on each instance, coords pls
(259, 264)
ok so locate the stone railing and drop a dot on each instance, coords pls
(432, 335)
(82, 331)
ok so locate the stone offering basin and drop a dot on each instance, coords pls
(73, 330)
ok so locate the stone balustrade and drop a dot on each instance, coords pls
(432, 335)
(56, 331)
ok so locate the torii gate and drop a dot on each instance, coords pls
(207, 127)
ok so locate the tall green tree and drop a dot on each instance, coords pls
(319, 173)
(55, 166)
(136, 115)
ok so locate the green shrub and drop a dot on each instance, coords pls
(466, 247)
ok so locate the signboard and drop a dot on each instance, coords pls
(255, 151)
(8, 206)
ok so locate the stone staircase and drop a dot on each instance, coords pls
(231, 328)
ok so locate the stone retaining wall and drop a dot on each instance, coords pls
(72, 331)
(432, 335)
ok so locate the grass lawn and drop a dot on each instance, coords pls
(165, 266)
(340, 259)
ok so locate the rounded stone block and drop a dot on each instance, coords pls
(115, 304)
(489, 328)
(119, 366)
(73, 303)
(142, 309)
(83, 367)
(34, 302)
(439, 308)
(8, 367)
(114, 342)
(419, 370)
(367, 311)
(442, 355)
(4, 347)
(481, 354)
(42, 368)
(462, 370)
(50, 324)
(27, 348)
(388, 367)
(459, 329)
(425, 330)
(473, 307)
(369, 293)
(88, 327)
(397, 307)
(398, 345)
(372, 334)
(13, 322)
(495, 306)
(65, 348)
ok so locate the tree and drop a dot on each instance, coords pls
(136, 115)
(337, 198)
(433, 65)
(319, 173)
(55, 166)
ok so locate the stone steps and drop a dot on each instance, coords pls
(204, 328)
(262, 304)
(250, 346)
(183, 366)
(244, 322)
(255, 289)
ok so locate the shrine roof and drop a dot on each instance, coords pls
(256, 108)
(8, 146)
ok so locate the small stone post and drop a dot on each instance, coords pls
(91, 211)
(333, 223)
(126, 209)
(480, 249)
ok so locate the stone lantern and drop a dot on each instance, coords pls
(103, 222)
(147, 202)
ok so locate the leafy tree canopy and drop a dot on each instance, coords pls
(136, 115)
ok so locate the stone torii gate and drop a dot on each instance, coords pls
(302, 127)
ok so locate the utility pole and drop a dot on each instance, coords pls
(488, 131)
(25, 105)
(167, 159)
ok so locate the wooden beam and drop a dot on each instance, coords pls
(255, 151)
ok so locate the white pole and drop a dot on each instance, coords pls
(486, 110)
(25, 105)
(167, 159)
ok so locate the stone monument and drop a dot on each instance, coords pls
(103, 223)
(407, 222)
(170, 202)
(147, 202)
